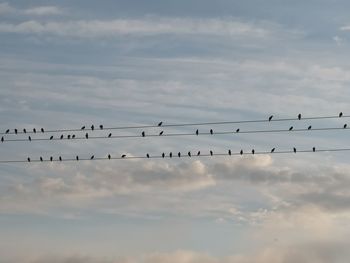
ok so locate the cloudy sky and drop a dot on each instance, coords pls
(65, 64)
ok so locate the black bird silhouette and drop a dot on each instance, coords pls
(163, 155)
(291, 128)
(124, 155)
(198, 153)
(109, 156)
(34, 130)
(28, 159)
(161, 133)
(42, 130)
(340, 114)
(253, 151)
(229, 152)
(92, 157)
(68, 136)
(295, 150)
(237, 130)
(309, 128)
(160, 124)
(29, 138)
(60, 158)
(7, 131)
(51, 137)
(211, 153)
(86, 135)
(299, 116)
(16, 131)
(211, 131)
(77, 158)
(179, 154)
(61, 137)
(92, 127)
(51, 158)
(170, 154)
(345, 125)
(41, 159)
(24, 131)
(83, 128)
(313, 149)
(147, 155)
(189, 154)
(270, 118)
(101, 127)
(2, 139)
(197, 132)
(110, 135)
(272, 150)
(241, 152)
(143, 134)
(73, 136)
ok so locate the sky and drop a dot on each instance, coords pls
(65, 64)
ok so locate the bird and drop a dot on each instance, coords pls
(340, 114)
(73, 136)
(189, 154)
(163, 155)
(51, 158)
(229, 152)
(143, 134)
(211, 153)
(179, 154)
(161, 133)
(77, 158)
(109, 156)
(7, 131)
(272, 150)
(160, 124)
(34, 130)
(124, 155)
(92, 157)
(237, 130)
(24, 131)
(170, 154)
(197, 132)
(29, 138)
(2, 139)
(86, 135)
(61, 137)
(92, 127)
(313, 149)
(16, 131)
(60, 158)
(83, 128)
(211, 131)
(101, 127)
(198, 153)
(241, 152)
(253, 151)
(110, 135)
(345, 125)
(42, 130)
(270, 118)
(299, 116)
(68, 136)
(295, 150)
(291, 128)
(28, 159)
(147, 155)
(41, 159)
(309, 128)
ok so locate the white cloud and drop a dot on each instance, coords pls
(43, 11)
(5, 8)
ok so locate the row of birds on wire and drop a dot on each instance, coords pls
(160, 124)
(171, 155)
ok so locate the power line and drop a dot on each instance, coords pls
(175, 157)
(179, 134)
(175, 125)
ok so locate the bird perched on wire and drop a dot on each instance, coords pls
(197, 132)
(42, 130)
(211, 153)
(16, 131)
(41, 159)
(143, 134)
(51, 158)
(68, 136)
(109, 156)
(189, 154)
(291, 128)
(92, 157)
(237, 130)
(340, 114)
(110, 135)
(60, 158)
(92, 127)
(198, 153)
(170, 154)
(73, 136)
(2, 139)
(160, 124)
(86, 135)
(77, 158)
(270, 118)
(61, 137)
(24, 131)
(272, 150)
(253, 151)
(124, 155)
(83, 128)
(28, 159)
(229, 152)
(7, 131)
(101, 127)
(295, 150)
(179, 154)
(163, 155)
(314, 149)
(345, 125)
(299, 116)
(211, 131)
(161, 133)
(34, 130)
(241, 152)
(147, 155)
(309, 128)
(29, 138)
